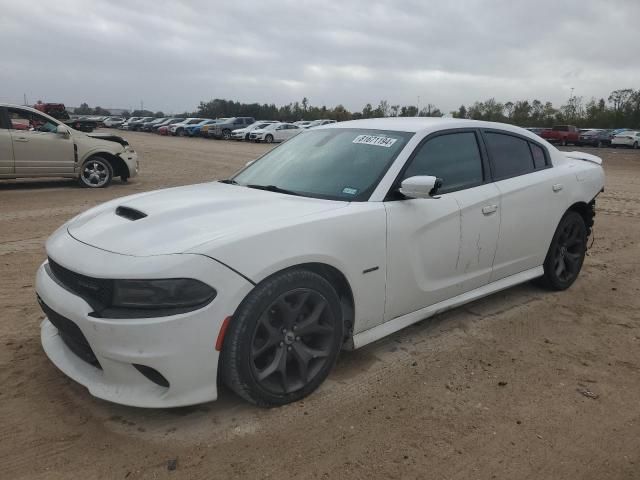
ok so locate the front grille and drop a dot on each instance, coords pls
(71, 335)
(97, 292)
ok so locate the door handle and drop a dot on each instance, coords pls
(489, 209)
(21, 139)
(557, 187)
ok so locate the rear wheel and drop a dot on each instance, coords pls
(284, 339)
(96, 173)
(566, 252)
(635, 145)
(181, 132)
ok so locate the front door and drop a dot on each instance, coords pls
(6, 148)
(444, 246)
(37, 148)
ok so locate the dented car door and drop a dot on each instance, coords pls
(443, 246)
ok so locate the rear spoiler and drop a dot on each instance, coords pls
(587, 157)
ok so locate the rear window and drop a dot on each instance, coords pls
(510, 156)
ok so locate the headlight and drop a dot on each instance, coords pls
(173, 293)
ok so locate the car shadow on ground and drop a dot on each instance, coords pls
(230, 415)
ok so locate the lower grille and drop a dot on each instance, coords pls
(71, 335)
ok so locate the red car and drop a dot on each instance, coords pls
(163, 130)
(562, 134)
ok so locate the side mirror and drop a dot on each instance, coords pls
(422, 186)
(62, 130)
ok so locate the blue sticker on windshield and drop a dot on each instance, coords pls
(349, 190)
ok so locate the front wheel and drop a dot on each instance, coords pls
(283, 340)
(635, 145)
(268, 138)
(96, 173)
(226, 134)
(566, 252)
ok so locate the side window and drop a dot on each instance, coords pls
(237, 121)
(25, 120)
(453, 157)
(539, 160)
(510, 155)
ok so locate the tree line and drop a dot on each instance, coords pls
(620, 109)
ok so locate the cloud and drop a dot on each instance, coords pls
(171, 55)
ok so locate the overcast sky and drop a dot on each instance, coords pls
(171, 55)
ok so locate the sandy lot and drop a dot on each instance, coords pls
(495, 389)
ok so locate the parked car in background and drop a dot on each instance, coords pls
(302, 123)
(125, 124)
(167, 123)
(204, 130)
(147, 126)
(224, 128)
(594, 137)
(49, 148)
(275, 132)
(243, 133)
(628, 138)
(195, 129)
(536, 130)
(178, 129)
(561, 134)
(339, 237)
(136, 125)
(113, 122)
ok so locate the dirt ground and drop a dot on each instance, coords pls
(523, 384)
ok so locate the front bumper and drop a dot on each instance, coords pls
(130, 158)
(180, 347)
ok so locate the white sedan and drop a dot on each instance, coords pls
(341, 236)
(275, 132)
(243, 133)
(628, 138)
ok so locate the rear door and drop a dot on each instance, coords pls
(6, 147)
(532, 201)
(37, 148)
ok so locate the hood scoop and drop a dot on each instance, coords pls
(130, 213)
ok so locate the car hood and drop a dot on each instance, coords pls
(179, 219)
(108, 137)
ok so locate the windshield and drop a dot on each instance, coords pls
(337, 163)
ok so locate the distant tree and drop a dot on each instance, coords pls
(101, 111)
(462, 112)
(159, 114)
(142, 113)
(383, 109)
(83, 109)
(367, 111)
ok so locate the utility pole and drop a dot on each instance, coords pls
(25, 99)
(418, 112)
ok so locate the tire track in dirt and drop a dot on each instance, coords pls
(24, 245)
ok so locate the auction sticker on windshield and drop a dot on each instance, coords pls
(375, 140)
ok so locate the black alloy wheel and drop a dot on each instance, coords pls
(284, 339)
(566, 252)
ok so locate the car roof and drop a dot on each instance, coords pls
(422, 124)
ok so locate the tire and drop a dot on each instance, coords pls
(96, 172)
(180, 132)
(268, 138)
(635, 145)
(283, 340)
(599, 144)
(566, 252)
(226, 134)
(563, 142)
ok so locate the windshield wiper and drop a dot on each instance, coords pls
(229, 181)
(273, 188)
